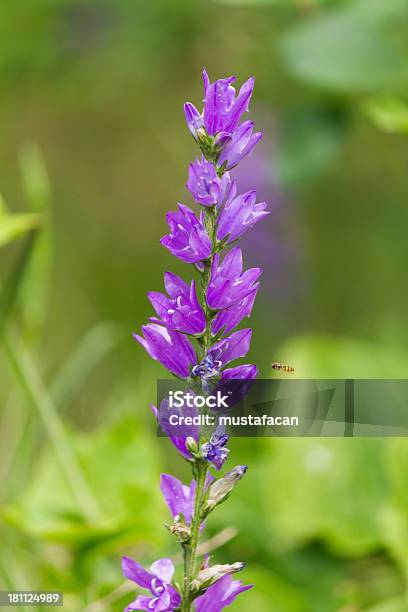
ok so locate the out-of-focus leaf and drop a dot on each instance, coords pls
(34, 294)
(15, 226)
(388, 114)
(121, 465)
(342, 357)
(397, 604)
(94, 346)
(271, 592)
(346, 51)
(331, 489)
(310, 142)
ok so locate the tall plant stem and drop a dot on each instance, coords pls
(33, 387)
(190, 548)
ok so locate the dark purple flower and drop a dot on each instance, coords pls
(171, 348)
(214, 451)
(206, 187)
(233, 347)
(179, 497)
(222, 108)
(240, 214)
(228, 284)
(220, 594)
(241, 144)
(158, 581)
(177, 434)
(187, 239)
(232, 316)
(181, 311)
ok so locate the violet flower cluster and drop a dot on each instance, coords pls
(194, 336)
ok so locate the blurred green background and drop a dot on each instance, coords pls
(93, 151)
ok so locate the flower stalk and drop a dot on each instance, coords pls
(194, 336)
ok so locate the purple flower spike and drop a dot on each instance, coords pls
(158, 581)
(240, 214)
(177, 434)
(205, 185)
(220, 595)
(241, 144)
(214, 451)
(222, 108)
(229, 318)
(187, 239)
(228, 284)
(231, 348)
(193, 118)
(171, 348)
(182, 311)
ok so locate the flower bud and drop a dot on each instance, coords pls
(210, 575)
(191, 446)
(221, 489)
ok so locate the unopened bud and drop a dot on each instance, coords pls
(221, 489)
(191, 446)
(210, 575)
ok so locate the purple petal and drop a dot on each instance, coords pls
(171, 348)
(241, 372)
(233, 347)
(163, 569)
(220, 595)
(141, 603)
(178, 497)
(135, 572)
(193, 118)
(229, 318)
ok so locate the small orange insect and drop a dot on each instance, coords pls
(280, 367)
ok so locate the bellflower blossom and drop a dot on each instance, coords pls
(204, 184)
(180, 311)
(238, 215)
(228, 283)
(188, 239)
(158, 581)
(194, 336)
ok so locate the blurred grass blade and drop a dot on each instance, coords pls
(32, 385)
(35, 290)
(15, 226)
(95, 345)
(10, 291)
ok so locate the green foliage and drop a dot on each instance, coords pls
(349, 49)
(388, 114)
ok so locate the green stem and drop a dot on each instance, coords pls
(32, 385)
(190, 549)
